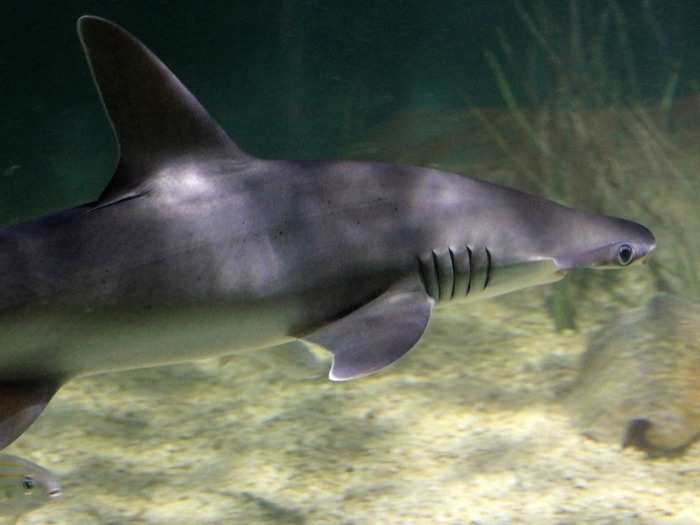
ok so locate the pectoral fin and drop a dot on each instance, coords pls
(20, 404)
(377, 334)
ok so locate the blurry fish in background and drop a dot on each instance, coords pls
(639, 381)
(295, 360)
(24, 486)
(12, 170)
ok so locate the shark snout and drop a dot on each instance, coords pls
(613, 255)
(643, 259)
(606, 243)
(645, 245)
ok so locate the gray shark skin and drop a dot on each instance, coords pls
(196, 249)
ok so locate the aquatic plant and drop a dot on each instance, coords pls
(583, 131)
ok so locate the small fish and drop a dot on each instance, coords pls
(24, 486)
(9, 172)
(639, 380)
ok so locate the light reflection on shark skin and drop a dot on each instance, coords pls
(196, 249)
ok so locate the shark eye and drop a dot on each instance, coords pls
(28, 483)
(625, 254)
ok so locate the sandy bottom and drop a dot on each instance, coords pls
(468, 429)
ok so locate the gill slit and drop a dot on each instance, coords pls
(471, 270)
(488, 267)
(454, 272)
(437, 275)
(421, 273)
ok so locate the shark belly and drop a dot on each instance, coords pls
(71, 340)
(89, 308)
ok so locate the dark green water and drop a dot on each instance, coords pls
(286, 79)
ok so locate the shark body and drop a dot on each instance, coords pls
(197, 249)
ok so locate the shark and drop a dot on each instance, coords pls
(198, 249)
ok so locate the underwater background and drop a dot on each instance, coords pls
(572, 403)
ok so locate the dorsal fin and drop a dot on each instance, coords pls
(378, 333)
(154, 117)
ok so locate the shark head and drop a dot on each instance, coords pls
(600, 242)
(495, 240)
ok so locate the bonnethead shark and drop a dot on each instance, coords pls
(197, 249)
